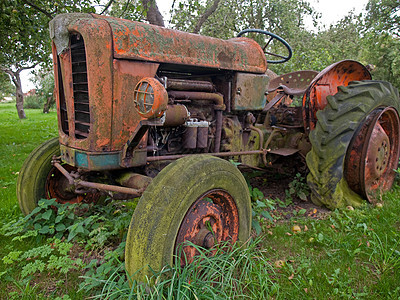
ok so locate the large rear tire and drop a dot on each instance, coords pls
(201, 199)
(339, 161)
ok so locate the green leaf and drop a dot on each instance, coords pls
(35, 210)
(261, 204)
(256, 226)
(47, 214)
(60, 227)
(45, 229)
(302, 211)
(267, 215)
(302, 196)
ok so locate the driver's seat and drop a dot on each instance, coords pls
(288, 85)
(294, 84)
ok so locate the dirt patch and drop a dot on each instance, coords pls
(276, 186)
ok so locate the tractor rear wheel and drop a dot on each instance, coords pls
(38, 179)
(355, 145)
(200, 199)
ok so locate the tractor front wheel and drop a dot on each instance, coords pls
(38, 179)
(201, 199)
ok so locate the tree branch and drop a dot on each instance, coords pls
(49, 15)
(27, 68)
(205, 16)
(10, 73)
(107, 6)
(125, 9)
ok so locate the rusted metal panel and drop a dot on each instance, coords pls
(99, 74)
(140, 41)
(326, 83)
(57, 80)
(250, 91)
(125, 117)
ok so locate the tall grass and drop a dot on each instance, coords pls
(243, 272)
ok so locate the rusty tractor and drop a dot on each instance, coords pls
(150, 112)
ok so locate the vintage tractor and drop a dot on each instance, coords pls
(145, 111)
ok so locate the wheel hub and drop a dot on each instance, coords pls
(378, 153)
(212, 219)
(373, 154)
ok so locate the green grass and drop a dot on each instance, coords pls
(346, 255)
(17, 139)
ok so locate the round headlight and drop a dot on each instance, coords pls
(150, 98)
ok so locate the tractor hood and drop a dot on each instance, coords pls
(139, 41)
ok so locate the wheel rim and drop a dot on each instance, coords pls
(374, 154)
(213, 218)
(57, 187)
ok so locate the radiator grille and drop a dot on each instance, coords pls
(80, 87)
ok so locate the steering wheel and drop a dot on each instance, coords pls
(272, 37)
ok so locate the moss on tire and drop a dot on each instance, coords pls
(330, 139)
(161, 209)
(33, 174)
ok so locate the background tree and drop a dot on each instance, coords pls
(24, 38)
(381, 39)
(372, 39)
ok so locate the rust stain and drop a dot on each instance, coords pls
(326, 83)
(134, 40)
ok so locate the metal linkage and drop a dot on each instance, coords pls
(94, 185)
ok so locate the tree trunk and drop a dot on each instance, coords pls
(51, 100)
(19, 96)
(153, 13)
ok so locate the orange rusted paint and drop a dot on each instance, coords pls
(99, 75)
(374, 154)
(326, 83)
(126, 75)
(212, 219)
(140, 41)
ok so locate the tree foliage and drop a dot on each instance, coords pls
(372, 38)
(381, 39)
(24, 38)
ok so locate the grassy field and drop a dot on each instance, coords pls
(345, 254)
(17, 139)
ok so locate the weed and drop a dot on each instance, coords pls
(298, 188)
(260, 208)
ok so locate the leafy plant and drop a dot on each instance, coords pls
(51, 256)
(298, 188)
(260, 207)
